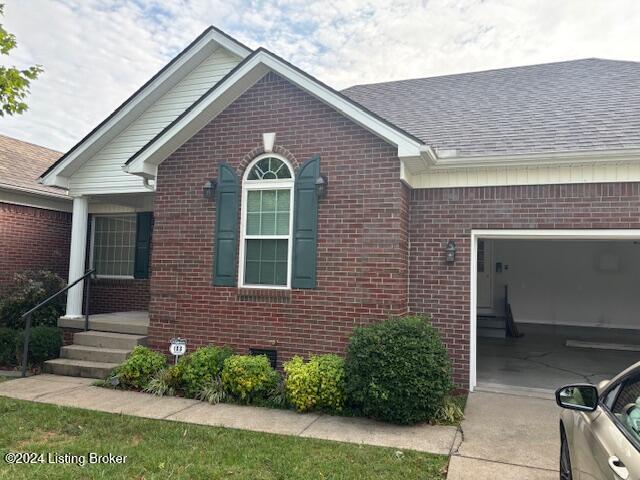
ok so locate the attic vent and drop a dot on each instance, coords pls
(272, 355)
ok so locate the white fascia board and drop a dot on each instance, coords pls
(237, 83)
(537, 159)
(96, 140)
(34, 199)
(145, 165)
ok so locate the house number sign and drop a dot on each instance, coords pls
(177, 347)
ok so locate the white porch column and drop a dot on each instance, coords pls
(77, 254)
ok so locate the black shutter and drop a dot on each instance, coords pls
(226, 240)
(144, 222)
(305, 225)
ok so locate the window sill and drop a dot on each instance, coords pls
(271, 295)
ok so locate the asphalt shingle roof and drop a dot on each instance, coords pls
(21, 164)
(585, 104)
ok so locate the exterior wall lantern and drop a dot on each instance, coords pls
(209, 190)
(450, 251)
(321, 186)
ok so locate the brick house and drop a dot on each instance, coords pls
(235, 199)
(35, 220)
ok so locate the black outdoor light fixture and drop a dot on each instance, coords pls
(451, 251)
(209, 190)
(321, 186)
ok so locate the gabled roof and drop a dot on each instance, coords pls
(236, 82)
(580, 105)
(21, 163)
(157, 85)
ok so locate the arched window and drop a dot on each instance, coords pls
(267, 223)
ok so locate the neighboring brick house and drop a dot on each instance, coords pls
(35, 220)
(283, 213)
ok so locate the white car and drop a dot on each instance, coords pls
(600, 429)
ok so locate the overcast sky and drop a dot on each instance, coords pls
(97, 52)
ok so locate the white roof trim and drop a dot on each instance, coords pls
(537, 159)
(210, 40)
(236, 83)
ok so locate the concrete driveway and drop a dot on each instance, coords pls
(508, 437)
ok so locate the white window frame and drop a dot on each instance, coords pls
(92, 244)
(253, 185)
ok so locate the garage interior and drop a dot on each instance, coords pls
(575, 306)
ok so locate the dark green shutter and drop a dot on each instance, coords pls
(305, 225)
(143, 242)
(226, 240)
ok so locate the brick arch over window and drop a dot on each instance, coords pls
(259, 150)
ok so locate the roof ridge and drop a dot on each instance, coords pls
(474, 72)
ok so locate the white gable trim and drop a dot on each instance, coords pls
(194, 54)
(236, 83)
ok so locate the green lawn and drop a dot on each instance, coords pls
(162, 449)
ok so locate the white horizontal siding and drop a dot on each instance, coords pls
(535, 175)
(103, 172)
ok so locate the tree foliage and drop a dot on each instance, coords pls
(14, 82)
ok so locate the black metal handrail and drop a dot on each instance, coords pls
(27, 316)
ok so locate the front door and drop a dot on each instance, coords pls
(485, 283)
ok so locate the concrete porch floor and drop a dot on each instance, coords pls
(135, 323)
(541, 360)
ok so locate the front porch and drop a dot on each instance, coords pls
(134, 323)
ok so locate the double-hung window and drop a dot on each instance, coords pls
(267, 223)
(114, 245)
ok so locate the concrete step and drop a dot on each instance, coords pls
(119, 341)
(79, 368)
(94, 354)
(491, 332)
(491, 322)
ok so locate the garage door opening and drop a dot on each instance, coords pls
(556, 309)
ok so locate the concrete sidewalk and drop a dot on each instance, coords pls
(511, 437)
(79, 392)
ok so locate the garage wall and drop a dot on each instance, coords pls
(439, 215)
(568, 282)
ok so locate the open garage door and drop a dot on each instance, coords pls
(574, 298)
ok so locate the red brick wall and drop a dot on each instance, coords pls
(118, 295)
(33, 239)
(439, 215)
(362, 235)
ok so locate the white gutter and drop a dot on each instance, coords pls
(537, 159)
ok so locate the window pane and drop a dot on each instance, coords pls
(253, 223)
(114, 245)
(283, 200)
(268, 224)
(269, 169)
(627, 409)
(253, 200)
(269, 200)
(282, 223)
(266, 262)
(268, 212)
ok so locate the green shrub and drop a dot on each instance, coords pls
(199, 368)
(398, 370)
(44, 344)
(140, 368)
(248, 376)
(319, 383)
(451, 412)
(164, 382)
(8, 346)
(302, 382)
(212, 392)
(25, 292)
